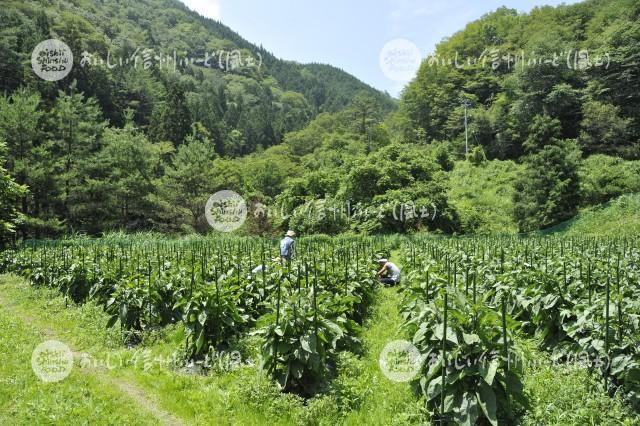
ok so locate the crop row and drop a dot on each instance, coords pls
(305, 310)
(468, 299)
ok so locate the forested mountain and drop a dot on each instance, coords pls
(551, 97)
(226, 83)
(547, 88)
(555, 89)
(151, 70)
(571, 71)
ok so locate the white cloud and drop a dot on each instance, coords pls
(207, 8)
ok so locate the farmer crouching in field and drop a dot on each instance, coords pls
(287, 246)
(389, 273)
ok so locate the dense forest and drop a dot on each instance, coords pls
(552, 99)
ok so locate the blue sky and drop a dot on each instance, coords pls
(350, 34)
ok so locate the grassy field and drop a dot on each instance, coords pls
(133, 385)
(618, 217)
(483, 195)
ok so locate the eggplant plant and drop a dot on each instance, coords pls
(466, 377)
(299, 343)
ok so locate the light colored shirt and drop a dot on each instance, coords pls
(287, 247)
(394, 271)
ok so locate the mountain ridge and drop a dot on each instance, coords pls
(122, 28)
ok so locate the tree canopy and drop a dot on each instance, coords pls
(141, 145)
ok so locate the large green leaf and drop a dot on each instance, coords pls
(467, 413)
(200, 341)
(470, 339)
(489, 371)
(434, 388)
(308, 342)
(487, 401)
(202, 318)
(451, 336)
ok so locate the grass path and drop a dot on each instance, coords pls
(118, 395)
(387, 402)
(118, 385)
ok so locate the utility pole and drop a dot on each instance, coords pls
(466, 104)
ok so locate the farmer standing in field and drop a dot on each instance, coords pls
(287, 246)
(389, 273)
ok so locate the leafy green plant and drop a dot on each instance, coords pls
(127, 305)
(467, 356)
(211, 317)
(299, 344)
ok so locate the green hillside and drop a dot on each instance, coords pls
(243, 87)
(483, 195)
(138, 148)
(547, 89)
(571, 64)
(617, 218)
